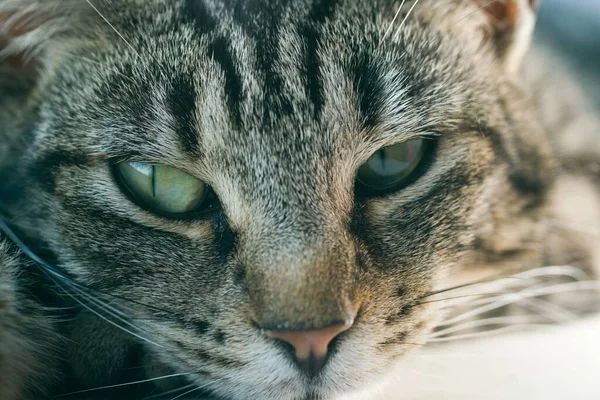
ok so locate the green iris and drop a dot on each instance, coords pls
(161, 188)
(392, 166)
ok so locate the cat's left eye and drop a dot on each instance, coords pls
(393, 167)
(161, 188)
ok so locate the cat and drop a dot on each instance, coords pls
(260, 199)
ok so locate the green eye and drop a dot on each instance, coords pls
(393, 166)
(161, 188)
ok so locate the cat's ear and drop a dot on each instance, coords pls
(510, 25)
(27, 27)
(18, 46)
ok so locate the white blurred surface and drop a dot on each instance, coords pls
(555, 363)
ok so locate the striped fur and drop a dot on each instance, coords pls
(275, 104)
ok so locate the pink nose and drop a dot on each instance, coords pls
(311, 347)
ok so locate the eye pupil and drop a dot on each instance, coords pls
(392, 167)
(382, 159)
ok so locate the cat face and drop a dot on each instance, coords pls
(279, 121)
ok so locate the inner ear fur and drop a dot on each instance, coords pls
(510, 26)
(15, 26)
(29, 27)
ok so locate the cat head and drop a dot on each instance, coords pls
(273, 188)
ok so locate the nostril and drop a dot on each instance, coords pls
(310, 348)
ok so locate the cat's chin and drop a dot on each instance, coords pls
(349, 384)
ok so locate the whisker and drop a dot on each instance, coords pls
(489, 333)
(466, 296)
(482, 8)
(108, 320)
(494, 278)
(553, 311)
(186, 393)
(389, 29)
(518, 275)
(201, 387)
(408, 15)
(112, 27)
(501, 301)
(565, 270)
(173, 391)
(121, 36)
(126, 384)
(57, 278)
(509, 320)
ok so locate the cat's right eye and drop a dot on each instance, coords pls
(162, 189)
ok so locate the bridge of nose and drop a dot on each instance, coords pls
(300, 282)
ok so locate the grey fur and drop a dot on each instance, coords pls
(275, 104)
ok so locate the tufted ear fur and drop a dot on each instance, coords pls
(27, 30)
(510, 25)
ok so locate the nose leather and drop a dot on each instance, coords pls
(311, 346)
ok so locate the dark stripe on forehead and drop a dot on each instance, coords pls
(196, 12)
(321, 11)
(262, 21)
(368, 87)
(219, 50)
(182, 104)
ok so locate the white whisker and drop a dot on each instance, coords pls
(173, 391)
(510, 320)
(112, 27)
(389, 29)
(493, 332)
(113, 323)
(567, 271)
(477, 10)
(128, 383)
(186, 393)
(502, 283)
(504, 300)
(407, 15)
(552, 311)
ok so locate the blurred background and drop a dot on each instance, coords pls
(573, 26)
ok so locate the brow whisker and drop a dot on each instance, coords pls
(408, 15)
(112, 27)
(389, 29)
